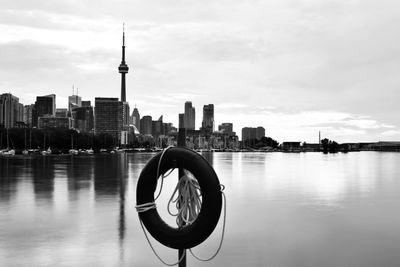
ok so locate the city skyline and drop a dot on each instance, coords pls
(295, 70)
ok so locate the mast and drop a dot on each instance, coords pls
(7, 140)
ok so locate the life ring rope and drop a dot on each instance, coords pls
(187, 199)
(191, 252)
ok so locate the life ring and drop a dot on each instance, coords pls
(193, 234)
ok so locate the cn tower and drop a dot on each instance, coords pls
(123, 68)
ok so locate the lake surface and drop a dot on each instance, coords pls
(289, 210)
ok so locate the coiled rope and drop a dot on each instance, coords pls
(188, 205)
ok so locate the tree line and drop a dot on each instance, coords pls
(32, 138)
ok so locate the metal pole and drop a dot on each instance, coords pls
(181, 143)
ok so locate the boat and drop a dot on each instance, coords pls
(7, 152)
(73, 151)
(46, 152)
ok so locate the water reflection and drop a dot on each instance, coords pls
(304, 209)
(122, 173)
(42, 169)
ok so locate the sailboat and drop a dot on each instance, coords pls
(48, 151)
(25, 151)
(7, 151)
(73, 151)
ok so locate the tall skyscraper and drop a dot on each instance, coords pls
(190, 116)
(44, 106)
(108, 116)
(74, 101)
(146, 125)
(208, 118)
(136, 118)
(181, 120)
(123, 69)
(10, 111)
(28, 112)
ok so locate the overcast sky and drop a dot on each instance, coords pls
(293, 67)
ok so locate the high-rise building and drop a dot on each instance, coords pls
(190, 116)
(10, 110)
(28, 111)
(181, 120)
(123, 69)
(157, 127)
(226, 128)
(61, 112)
(44, 105)
(108, 116)
(86, 103)
(146, 125)
(136, 118)
(260, 132)
(74, 101)
(252, 133)
(208, 118)
(83, 118)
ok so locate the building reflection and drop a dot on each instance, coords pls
(110, 176)
(42, 169)
(8, 179)
(79, 173)
(122, 177)
(106, 182)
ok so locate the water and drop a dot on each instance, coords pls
(305, 209)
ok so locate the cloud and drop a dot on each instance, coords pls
(291, 66)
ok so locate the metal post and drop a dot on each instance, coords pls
(181, 143)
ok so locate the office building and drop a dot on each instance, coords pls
(190, 116)
(61, 112)
(226, 128)
(28, 111)
(252, 133)
(181, 121)
(260, 132)
(83, 118)
(146, 125)
(44, 106)
(86, 103)
(108, 116)
(208, 118)
(10, 110)
(157, 127)
(136, 118)
(74, 101)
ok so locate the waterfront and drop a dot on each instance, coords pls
(284, 209)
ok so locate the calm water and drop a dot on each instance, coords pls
(286, 210)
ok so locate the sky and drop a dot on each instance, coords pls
(294, 67)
